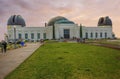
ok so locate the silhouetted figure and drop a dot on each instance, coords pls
(78, 40)
(83, 40)
(1, 46)
(41, 41)
(4, 46)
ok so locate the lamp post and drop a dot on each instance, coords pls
(14, 36)
(6, 37)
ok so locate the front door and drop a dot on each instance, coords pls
(66, 33)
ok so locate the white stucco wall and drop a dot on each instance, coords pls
(29, 30)
(59, 31)
(98, 30)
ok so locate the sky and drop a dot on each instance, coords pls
(39, 12)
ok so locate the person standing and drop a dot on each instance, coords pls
(1, 46)
(4, 46)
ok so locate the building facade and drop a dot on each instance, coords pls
(58, 28)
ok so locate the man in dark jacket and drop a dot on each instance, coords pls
(4, 45)
(1, 46)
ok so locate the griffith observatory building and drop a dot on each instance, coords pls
(58, 28)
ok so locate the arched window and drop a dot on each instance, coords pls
(96, 34)
(105, 35)
(86, 34)
(91, 35)
(101, 34)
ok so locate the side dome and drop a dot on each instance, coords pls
(101, 21)
(16, 20)
(58, 20)
(105, 21)
(108, 21)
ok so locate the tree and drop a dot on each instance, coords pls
(53, 31)
(80, 30)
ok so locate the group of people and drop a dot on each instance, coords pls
(41, 41)
(80, 40)
(3, 46)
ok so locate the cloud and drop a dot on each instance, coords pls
(37, 12)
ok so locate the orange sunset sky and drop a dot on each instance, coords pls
(37, 12)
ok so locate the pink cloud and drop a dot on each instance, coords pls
(37, 12)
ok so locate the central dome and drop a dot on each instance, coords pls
(59, 20)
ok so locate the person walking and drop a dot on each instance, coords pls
(4, 46)
(1, 46)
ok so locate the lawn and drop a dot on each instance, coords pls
(69, 61)
(105, 41)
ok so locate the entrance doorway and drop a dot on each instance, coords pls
(66, 33)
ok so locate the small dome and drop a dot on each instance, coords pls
(105, 21)
(108, 21)
(16, 20)
(59, 20)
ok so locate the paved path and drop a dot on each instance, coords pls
(13, 58)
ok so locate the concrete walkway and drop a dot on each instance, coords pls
(13, 58)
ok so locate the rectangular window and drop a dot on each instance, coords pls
(26, 36)
(101, 34)
(67, 33)
(19, 36)
(105, 35)
(38, 35)
(91, 35)
(96, 35)
(86, 35)
(44, 35)
(32, 35)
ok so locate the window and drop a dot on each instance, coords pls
(86, 34)
(19, 36)
(101, 34)
(91, 34)
(32, 35)
(105, 35)
(96, 35)
(66, 33)
(44, 35)
(26, 36)
(38, 35)
(113, 35)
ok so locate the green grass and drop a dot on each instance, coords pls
(111, 42)
(105, 41)
(70, 61)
